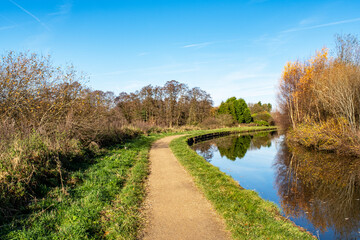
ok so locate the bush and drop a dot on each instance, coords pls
(210, 123)
(262, 116)
(226, 120)
(262, 123)
(332, 135)
(221, 120)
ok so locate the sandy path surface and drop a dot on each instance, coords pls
(175, 207)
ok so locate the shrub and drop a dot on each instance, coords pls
(210, 123)
(221, 120)
(262, 116)
(226, 120)
(333, 135)
(261, 123)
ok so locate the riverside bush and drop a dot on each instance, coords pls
(262, 116)
(262, 123)
(334, 135)
(223, 120)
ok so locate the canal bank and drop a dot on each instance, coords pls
(246, 214)
(317, 191)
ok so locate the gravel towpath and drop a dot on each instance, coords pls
(175, 208)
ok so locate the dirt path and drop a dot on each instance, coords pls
(176, 208)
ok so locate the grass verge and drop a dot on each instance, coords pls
(101, 202)
(247, 215)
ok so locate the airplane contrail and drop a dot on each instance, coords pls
(322, 25)
(30, 14)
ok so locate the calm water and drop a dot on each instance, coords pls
(317, 191)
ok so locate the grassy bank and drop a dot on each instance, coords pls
(247, 216)
(333, 136)
(100, 201)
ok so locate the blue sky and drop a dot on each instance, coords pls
(227, 48)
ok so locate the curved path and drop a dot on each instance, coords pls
(175, 207)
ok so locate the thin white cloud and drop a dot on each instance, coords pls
(174, 71)
(30, 14)
(170, 68)
(143, 54)
(36, 41)
(250, 92)
(252, 83)
(8, 20)
(198, 45)
(204, 44)
(322, 25)
(241, 76)
(113, 73)
(7, 27)
(63, 9)
(258, 1)
(307, 21)
(273, 43)
(253, 69)
(132, 86)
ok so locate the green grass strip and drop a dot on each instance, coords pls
(247, 215)
(104, 203)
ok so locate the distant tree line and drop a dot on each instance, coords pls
(259, 107)
(173, 104)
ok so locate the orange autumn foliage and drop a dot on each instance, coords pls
(297, 97)
(323, 90)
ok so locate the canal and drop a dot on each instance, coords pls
(319, 192)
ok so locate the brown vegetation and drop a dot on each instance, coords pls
(48, 119)
(323, 91)
(50, 122)
(174, 104)
(219, 120)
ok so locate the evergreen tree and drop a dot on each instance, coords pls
(247, 115)
(237, 108)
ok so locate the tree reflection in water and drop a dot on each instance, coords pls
(262, 139)
(234, 146)
(324, 188)
(206, 149)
